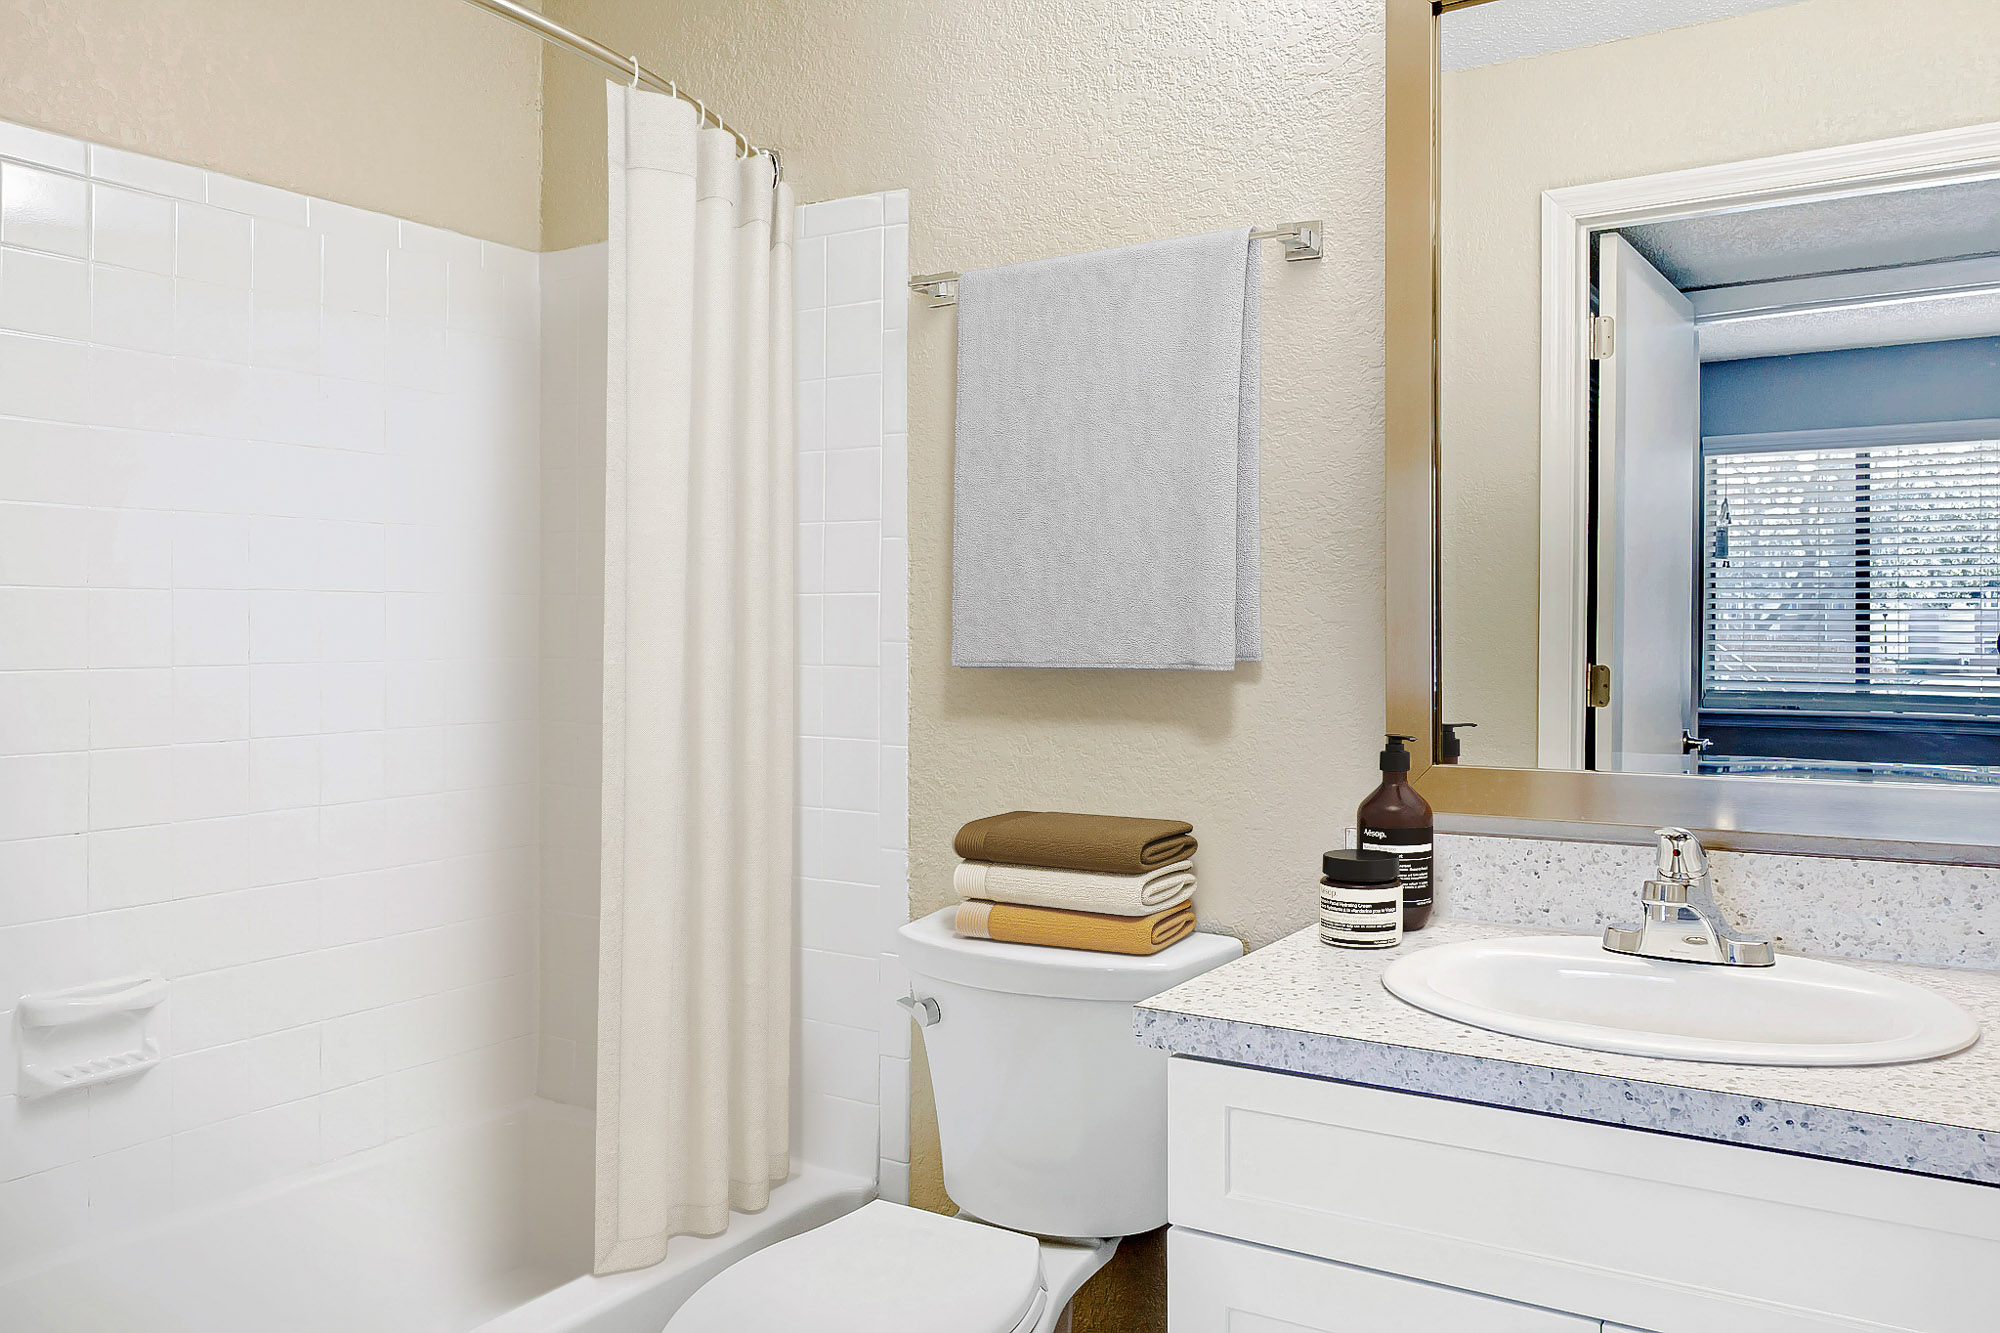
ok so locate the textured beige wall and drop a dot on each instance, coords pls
(427, 109)
(1783, 80)
(1036, 127)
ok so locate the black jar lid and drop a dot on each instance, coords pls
(1356, 867)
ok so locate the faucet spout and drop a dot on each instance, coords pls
(1680, 919)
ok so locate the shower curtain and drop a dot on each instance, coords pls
(694, 998)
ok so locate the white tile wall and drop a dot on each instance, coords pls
(853, 646)
(853, 1073)
(269, 563)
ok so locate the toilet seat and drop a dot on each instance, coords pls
(883, 1268)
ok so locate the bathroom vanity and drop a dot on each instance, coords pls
(1342, 1160)
(1658, 607)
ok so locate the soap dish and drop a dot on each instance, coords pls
(87, 1034)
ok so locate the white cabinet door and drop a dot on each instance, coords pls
(1224, 1286)
(1535, 1209)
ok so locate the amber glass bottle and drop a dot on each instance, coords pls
(1396, 818)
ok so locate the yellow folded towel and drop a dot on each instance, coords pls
(1077, 890)
(1074, 930)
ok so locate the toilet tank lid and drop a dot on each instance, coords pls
(931, 948)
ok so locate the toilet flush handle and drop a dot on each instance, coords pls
(922, 1008)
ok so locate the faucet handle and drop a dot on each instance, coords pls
(1681, 858)
(1682, 921)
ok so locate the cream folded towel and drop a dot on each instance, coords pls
(1077, 890)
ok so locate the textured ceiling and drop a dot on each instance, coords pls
(1861, 231)
(1890, 243)
(1516, 29)
(1918, 320)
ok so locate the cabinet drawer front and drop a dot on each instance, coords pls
(1224, 1286)
(1662, 1233)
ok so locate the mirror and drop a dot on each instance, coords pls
(1718, 388)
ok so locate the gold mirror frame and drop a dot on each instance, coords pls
(1898, 821)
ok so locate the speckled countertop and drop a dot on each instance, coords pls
(1301, 1007)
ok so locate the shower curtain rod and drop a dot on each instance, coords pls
(555, 34)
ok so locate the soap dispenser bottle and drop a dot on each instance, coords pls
(1397, 819)
(1451, 746)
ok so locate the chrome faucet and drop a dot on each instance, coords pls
(1681, 920)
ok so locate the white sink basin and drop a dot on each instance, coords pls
(1573, 992)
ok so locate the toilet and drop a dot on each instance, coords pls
(1052, 1122)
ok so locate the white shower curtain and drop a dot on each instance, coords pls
(694, 998)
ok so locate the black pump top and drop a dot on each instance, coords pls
(1452, 747)
(1395, 759)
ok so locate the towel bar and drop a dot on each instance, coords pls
(1302, 240)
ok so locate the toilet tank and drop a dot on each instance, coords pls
(1051, 1118)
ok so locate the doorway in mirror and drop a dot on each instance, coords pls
(1792, 542)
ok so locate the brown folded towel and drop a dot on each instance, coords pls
(1107, 844)
(1058, 929)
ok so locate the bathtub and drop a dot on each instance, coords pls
(484, 1225)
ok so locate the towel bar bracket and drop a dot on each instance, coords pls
(939, 289)
(1301, 240)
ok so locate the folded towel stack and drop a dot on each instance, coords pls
(1104, 882)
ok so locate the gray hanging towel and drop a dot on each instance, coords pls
(1104, 501)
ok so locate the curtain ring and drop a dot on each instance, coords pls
(700, 112)
(635, 72)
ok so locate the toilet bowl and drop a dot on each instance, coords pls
(1052, 1122)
